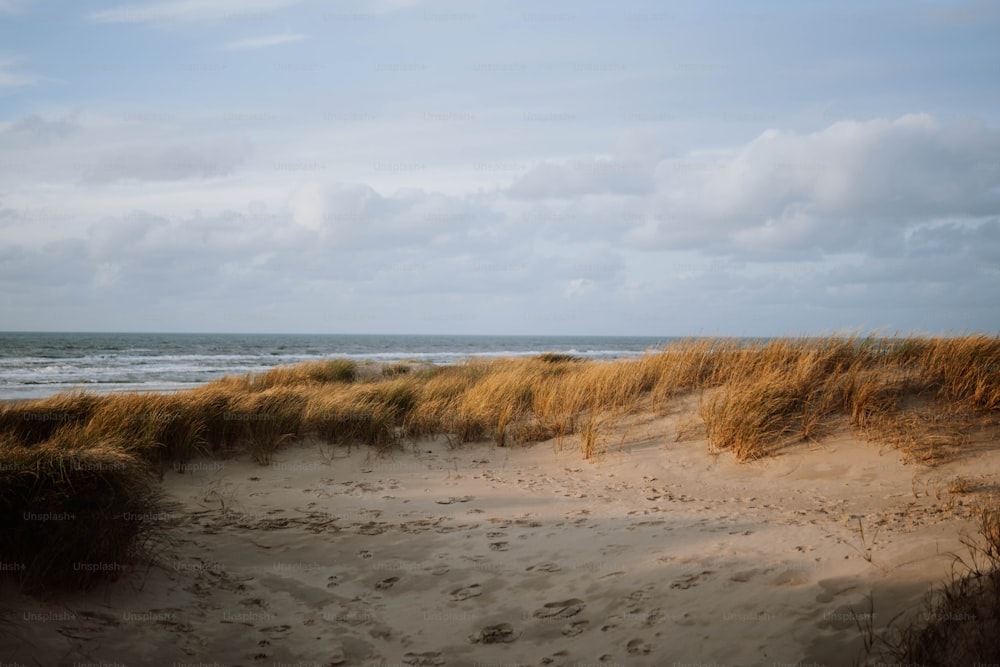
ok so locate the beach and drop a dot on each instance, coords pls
(786, 502)
(659, 552)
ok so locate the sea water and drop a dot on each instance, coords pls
(34, 365)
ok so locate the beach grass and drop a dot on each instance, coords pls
(75, 512)
(923, 395)
(959, 622)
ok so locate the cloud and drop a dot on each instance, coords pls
(10, 78)
(177, 162)
(37, 128)
(351, 216)
(859, 223)
(849, 187)
(171, 11)
(264, 42)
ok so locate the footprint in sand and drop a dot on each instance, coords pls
(639, 595)
(493, 534)
(332, 580)
(438, 570)
(254, 602)
(365, 553)
(386, 583)
(428, 659)
(637, 647)
(653, 617)
(544, 567)
(563, 609)
(556, 659)
(372, 528)
(466, 592)
(690, 580)
(337, 656)
(449, 501)
(276, 628)
(502, 633)
(498, 546)
(575, 628)
(654, 493)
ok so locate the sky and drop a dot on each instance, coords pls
(431, 166)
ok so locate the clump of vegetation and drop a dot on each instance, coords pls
(395, 370)
(74, 513)
(557, 357)
(959, 623)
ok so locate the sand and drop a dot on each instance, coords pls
(658, 553)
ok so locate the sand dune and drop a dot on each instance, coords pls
(660, 552)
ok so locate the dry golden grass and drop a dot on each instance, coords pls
(923, 395)
(36, 421)
(765, 393)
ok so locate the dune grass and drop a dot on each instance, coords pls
(959, 622)
(923, 395)
(74, 513)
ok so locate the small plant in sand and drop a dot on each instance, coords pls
(961, 485)
(867, 545)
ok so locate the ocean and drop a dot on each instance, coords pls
(35, 365)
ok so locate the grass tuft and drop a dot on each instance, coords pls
(959, 623)
(75, 515)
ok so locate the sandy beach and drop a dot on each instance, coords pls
(659, 552)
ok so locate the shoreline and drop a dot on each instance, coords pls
(138, 362)
(367, 370)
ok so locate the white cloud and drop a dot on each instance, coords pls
(854, 185)
(170, 11)
(10, 78)
(264, 42)
(787, 227)
(578, 288)
(352, 216)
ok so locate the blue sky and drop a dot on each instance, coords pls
(421, 166)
